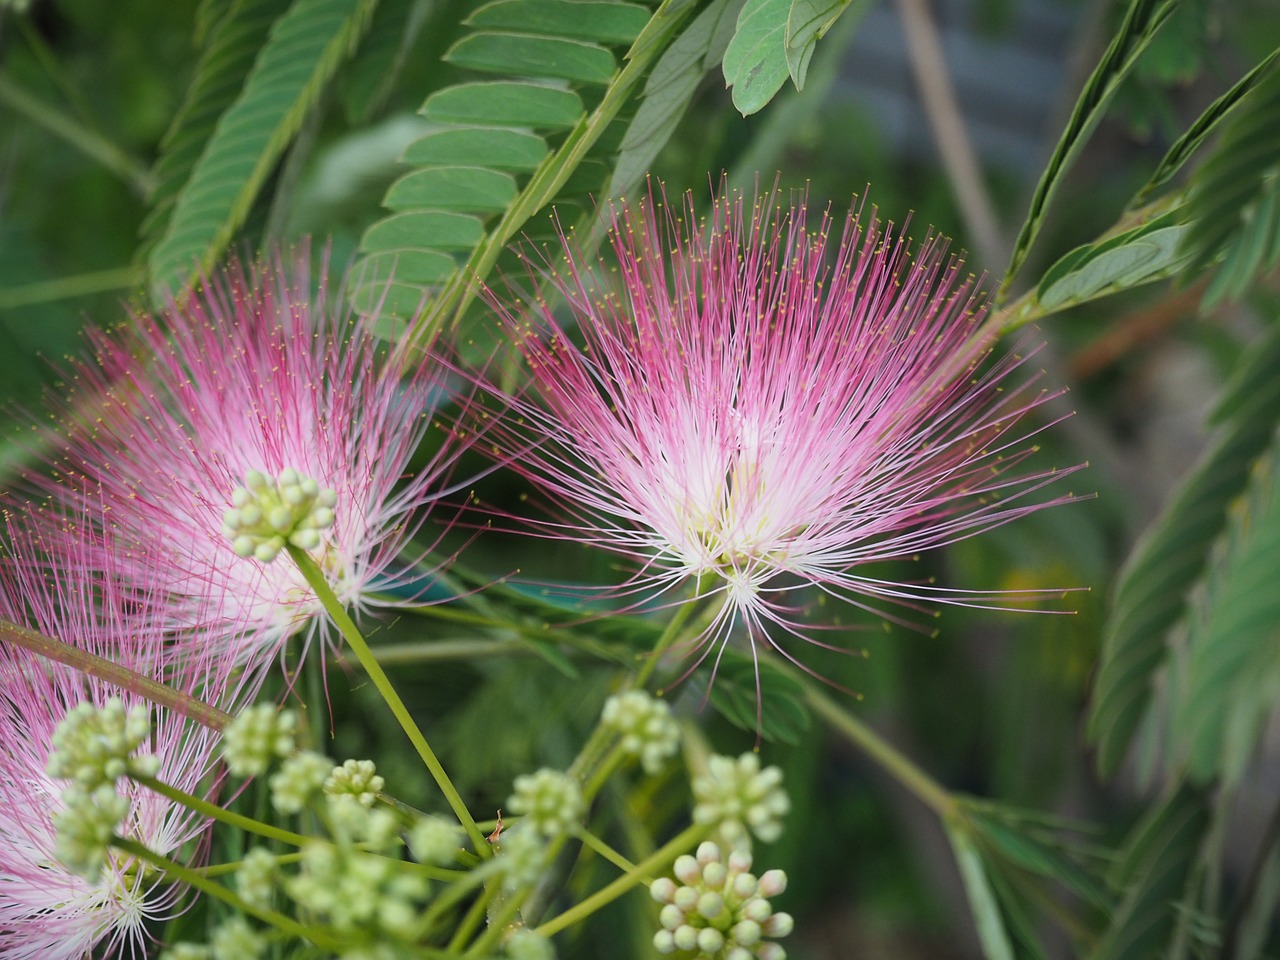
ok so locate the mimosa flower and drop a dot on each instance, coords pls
(48, 911)
(255, 404)
(756, 405)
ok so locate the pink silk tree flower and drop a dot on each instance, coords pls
(48, 911)
(253, 378)
(756, 406)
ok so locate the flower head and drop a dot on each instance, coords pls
(758, 405)
(256, 413)
(62, 892)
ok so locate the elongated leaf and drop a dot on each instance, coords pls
(992, 934)
(808, 22)
(502, 149)
(1233, 673)
(759, 698)
(532, 56)
(1234, 203)
(1144, 18)
(1152, 876)
(386, 48)
(598, 20)
(667, 94)
(755, 63)
(304, 50)
(506, 104)
(1151, 252)
(1152, 590)
(1198, 132)
(474, 189)
(236, 32)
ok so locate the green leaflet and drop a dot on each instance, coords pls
(1151, 878)
(1232, 673)
(1144, 18)
(1234, 200)
(755, 62)
(1150, 597)
(304, 50)
(235, 32)
(668, 92)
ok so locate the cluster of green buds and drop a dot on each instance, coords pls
(550, 801)
(93, 748)
(737, 795)
(269, 512)
(647, 728)
(719, 910)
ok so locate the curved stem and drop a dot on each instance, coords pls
(197, 880)
(351, 633)
(641, 873)
(122, 677)
(931, 793)
(215, 812)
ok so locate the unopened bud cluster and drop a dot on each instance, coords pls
(92, 748)
(549, 800)
(739, 796)
(258, 735)
(269, 512)
(719, 910)
(355, 778)
(648, 730)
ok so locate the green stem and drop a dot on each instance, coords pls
(317, 581)
(198, 881)
(604, 850)
(641, 873)
(122, 677)
(89, 142)
(215, 812)
(468, 650)
(64, 288)
(475, 913)
(931, 793)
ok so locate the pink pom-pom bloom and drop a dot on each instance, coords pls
(48, 911)
(748, 414)
(254, 373)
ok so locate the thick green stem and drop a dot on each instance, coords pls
(641, 873)
(931, 793)
(198, 881)
(122, 677)
(215, 812)
(347, 627)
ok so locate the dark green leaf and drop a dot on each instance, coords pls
(987, 918)
(598, 20)
(808, 22)
(1151, 593)
(507, 104)
(501, 148)
(424, 228)
(767, 702)
(530, 56)
(1232, 674)
(410, 266)
(755, 63)
(474, 189)
(1144, 18)
(1198, 132)
(381, 59)
(1151, 876)
(667, 94)
(1234, 200)
(305, 49)
(1139, 256)
(236, 34)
